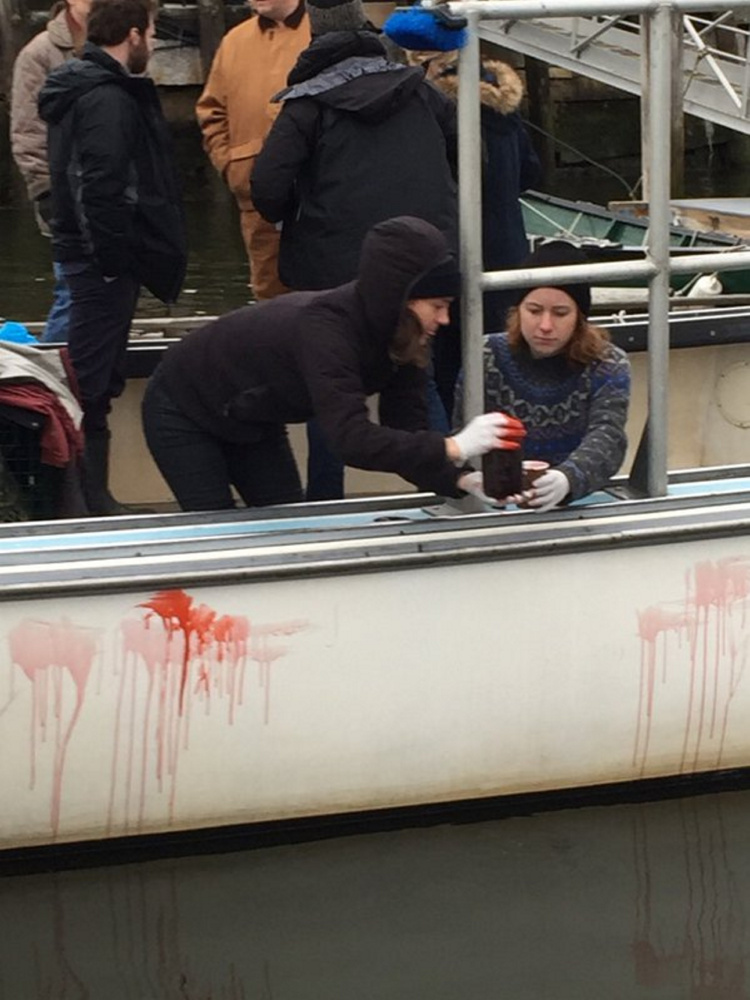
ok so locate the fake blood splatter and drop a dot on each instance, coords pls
(51, 655)
(187, 652)
(705, 632)
(175, 653)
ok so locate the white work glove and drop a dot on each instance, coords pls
(548, 490)
(487, 431)
(473, 482)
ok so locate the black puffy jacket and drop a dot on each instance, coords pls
(114, 190)
(322, 354)
(358, 140)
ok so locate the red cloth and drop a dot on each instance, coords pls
(60, 441)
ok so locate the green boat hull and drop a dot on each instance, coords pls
(605, 235)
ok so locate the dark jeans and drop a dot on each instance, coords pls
(101, 313)
(446, 355)
(325, 471)
(437, 415)
(56, 328)
(201, 468)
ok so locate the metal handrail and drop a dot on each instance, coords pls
(606, 271)
(601, 29)
(657, 264)
(696, 27)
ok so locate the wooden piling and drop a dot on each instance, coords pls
(212, 25)
(14, 33)
(542, 115)
(14, 21)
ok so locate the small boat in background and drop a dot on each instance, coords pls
(707, 216)
(607, 234)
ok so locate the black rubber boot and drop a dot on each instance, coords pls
(99, 500)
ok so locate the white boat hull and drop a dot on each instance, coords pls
(359, 670)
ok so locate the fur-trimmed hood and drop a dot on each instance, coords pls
(501, 87)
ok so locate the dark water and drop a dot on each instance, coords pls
(217, 269)
(217, 266)
(633, 902)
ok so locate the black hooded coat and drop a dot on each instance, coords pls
(115, 194)
(510, 166)
(322, 354)
(359, 139)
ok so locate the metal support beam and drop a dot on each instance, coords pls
(659, 143)
(609, 271)
(470, 221)
(528, 9)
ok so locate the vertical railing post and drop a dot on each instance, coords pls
(746, 77)
(659, 146)
(677, 115)
(645, 68)
(470, 220)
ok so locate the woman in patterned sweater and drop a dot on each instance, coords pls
(561, 376)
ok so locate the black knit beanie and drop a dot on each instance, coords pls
(441, 282)
(552, 254)
(335, 15)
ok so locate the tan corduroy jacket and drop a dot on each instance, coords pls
(235, 111)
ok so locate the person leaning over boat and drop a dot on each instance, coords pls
(117, 220)
(61, 40)
(558, 374)
(215, 409)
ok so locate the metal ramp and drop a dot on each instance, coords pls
(716, 72)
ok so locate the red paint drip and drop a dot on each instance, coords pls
(52, 655)
(175, 652)
(710, 623)
(187, 653)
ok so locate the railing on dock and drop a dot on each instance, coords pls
(656, 267)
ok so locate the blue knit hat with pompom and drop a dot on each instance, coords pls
(430, 28)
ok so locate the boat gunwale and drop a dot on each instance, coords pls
(422, 544)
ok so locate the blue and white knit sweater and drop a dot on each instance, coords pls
(574, 414)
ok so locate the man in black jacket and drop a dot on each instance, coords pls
(359, 139)
(117, 215)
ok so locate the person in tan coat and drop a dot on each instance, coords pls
(235, 114)
(61, 40)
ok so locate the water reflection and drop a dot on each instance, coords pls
(690, 919)
(217, 267)
(642, 901)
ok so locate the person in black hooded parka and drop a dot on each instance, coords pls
(359, 139)
(215, 409)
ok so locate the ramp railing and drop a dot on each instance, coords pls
(608, 47)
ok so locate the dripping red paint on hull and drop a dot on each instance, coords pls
(174, 654)
(710, 626)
